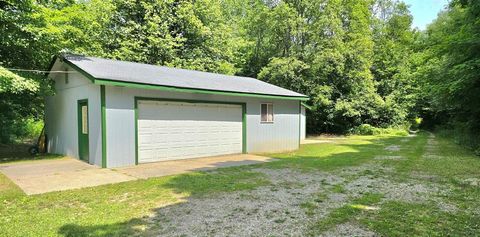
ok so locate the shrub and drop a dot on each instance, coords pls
(364, 129)
(367, 129)
(24, 130)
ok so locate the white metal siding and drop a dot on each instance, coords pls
(281, 135)
(178, 130)
(61, 115)
(303, 122)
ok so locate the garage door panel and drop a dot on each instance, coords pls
(176, 130)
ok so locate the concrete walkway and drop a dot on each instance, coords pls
(165, 168)
(42, 176)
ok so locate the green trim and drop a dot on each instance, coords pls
(107, 82)
(244, 128)
(136, 129)
(299, 123)
(189, 101)
(244, 117)
(104, 127)
(306, 106)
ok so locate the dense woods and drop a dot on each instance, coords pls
(360, 62)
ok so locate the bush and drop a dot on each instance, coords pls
(24, 130)
(32, 129)
(367, 129)
(20, 104)
(364, 129)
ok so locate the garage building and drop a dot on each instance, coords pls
(114, 113)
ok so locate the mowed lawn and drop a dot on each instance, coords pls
(361, 185)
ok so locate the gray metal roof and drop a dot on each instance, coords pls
(140, 73)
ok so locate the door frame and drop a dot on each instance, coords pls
(244, 116)
(79, 128)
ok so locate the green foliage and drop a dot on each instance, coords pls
(359, 61)
(415, 125)
(345, 69)
(461, 133)
(364, 129)
(449, 69)
(16, 97)
(288, 72)
(14, 84)
(367, 129)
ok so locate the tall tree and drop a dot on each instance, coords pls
(394, 38)
(450, 70)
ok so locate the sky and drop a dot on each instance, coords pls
(425, 11)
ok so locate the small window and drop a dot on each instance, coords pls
(84, 119)
(267, 113)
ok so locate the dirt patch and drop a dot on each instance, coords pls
(389, 158)
(447, 207)
(406, 192)
(392, 148)
(14, 152)
(472, 182)
(279, 207)
(425, 177)
(294, 201)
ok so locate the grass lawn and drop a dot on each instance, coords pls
(359, 185)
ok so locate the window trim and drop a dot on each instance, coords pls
(273, 113)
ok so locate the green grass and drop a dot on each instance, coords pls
(399, 218)
(346, 212)
(330, 156)
(121, 209)
(109, 209)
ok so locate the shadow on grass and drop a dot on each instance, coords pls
(131, 227)
(314, 157)
(19, 152)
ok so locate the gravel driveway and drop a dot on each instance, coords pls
(295, 200)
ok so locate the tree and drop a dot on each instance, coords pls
(450, 67)
(288, 72)
(17, 94)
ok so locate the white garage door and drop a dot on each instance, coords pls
(178, 130)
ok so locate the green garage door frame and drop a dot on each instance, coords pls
(244, 117)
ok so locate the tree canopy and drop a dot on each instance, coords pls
(359, 61)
